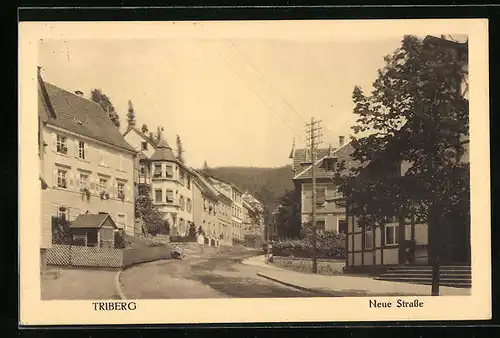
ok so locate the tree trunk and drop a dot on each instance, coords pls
(434, 252)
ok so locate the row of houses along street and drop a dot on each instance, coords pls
(92, 175)
(90, 172)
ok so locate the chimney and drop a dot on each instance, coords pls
(341, 141)
(79, 93)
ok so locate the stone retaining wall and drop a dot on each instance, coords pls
(325, 267)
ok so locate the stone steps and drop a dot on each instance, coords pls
(453, 276)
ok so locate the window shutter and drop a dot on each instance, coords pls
(92, 186)
(77, 182)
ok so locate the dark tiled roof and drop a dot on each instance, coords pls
(70, 108)
(341, 154)
(205, 186)
(90, 221)
(301, 157)
(163, 152)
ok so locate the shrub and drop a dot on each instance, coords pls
(253, 241)
(192, 231)
(328, 245)
(120, 239)
(61, 234)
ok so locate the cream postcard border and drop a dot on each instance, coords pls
(33, 311)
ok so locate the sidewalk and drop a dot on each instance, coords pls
(78, 284)
(345, 286)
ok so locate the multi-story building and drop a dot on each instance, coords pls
(388, 244)
(86, 165)
(330, 209)
(145, 146)
(172, 188)
(206, 207)
(224, 230)
(229, 190)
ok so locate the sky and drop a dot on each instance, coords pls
(233, 102)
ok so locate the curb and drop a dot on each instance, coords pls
(301, 288)
(118, 285)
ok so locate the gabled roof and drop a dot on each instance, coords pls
(205, 186)
(341, 154)
(144, 136)
(163, 152)
(91, 221)
(232, 185)
(300, 156)
(63, 109)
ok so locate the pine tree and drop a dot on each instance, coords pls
(104, 101)
(180, 150)
(205, 170)
(158, 135)
(130, 114)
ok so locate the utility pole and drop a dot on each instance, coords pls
(314, 129)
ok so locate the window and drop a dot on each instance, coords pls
(143, 169)
(81, 150)
(342, 226)
(169, 171)
(181, 202)
(144, 146)
(158, 195)
(103, 184)
(84, 181)
(391, 234)
(189, 182)
(157, 171)
(61, 145)
(320, 226)
(368, 239)
(121, 190)
(170, 196)
(330, 164)
(188, 205)
(61, 178)
(121, 220)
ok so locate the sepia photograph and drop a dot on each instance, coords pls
(208, 165)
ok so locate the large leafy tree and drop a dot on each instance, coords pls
(288, 216)
(98, 96)
(415, 115)
(152, 218)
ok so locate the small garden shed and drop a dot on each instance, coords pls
(94, 230)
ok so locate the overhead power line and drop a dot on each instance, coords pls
(257, 93)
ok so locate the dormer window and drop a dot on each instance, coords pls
(144, 146)
(330, 163)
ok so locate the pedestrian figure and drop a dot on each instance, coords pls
(270, 252)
